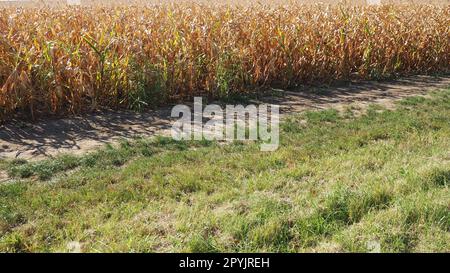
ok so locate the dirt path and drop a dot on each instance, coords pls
(82, 134)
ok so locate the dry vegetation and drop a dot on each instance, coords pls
(72, 60)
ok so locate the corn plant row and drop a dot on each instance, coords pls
(63, 61)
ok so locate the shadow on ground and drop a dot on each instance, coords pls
(81, 134)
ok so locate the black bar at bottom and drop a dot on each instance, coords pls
(228, 262)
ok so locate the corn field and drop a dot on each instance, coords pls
(63, 61)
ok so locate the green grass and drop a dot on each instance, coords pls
(337, 183)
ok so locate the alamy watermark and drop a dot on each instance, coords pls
(233, 122)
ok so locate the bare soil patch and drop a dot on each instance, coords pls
(79, 135)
